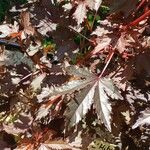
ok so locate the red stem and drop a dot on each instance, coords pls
(108, 61)
(141, 4)
(135, 22)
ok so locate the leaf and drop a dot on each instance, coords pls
(44, 27)
(33, 49)
(7, 29)
(43, 147)
(123, 42)
(80, 13)
(83, 107)
(127, 116)
(144, 118)
(79, 72)
(25, 21)
(97, 144)
(36, 83)
(108, 36)
(19, 125)
(10, 58)
(103, 107)
(43, 94)
(103, 43)
(81, 10)
(97, 4)
(45, 108)
(42, 111)
(59, 145)
(70, 86)
(100, 31)
(18, 70)
(102, 88)
(56, 145)
(103, 33)
(77, 142)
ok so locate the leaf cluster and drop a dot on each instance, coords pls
(75, 75)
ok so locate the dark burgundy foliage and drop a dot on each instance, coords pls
(75, 75)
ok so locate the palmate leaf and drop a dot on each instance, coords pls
(106, 36)
(98, 94)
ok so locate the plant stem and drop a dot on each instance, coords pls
(91, 41)
(135, 22)
(107, 63)
(94, 20)
(141, 4)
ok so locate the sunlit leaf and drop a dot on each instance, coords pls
(81, 11)
(144, 118)
(97, 144)
(36, 83)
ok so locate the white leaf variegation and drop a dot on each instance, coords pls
(143, 119)
(57, 145)
(100, 92)
(103, 43)
(70, 86)
(79, 72)
(43, 147)
(103, 107)
(45, 108)
(97, 4)
(100, 31)
(43, 94)
(80, 13)
(7, 29)
(110, 88)
(83, 107)
(42, 111)
(82, 8)
(36, 83)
